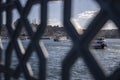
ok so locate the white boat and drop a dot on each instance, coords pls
(60, 38)
(99, 43)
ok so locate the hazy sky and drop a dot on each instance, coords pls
(55, 10)
(82, 12)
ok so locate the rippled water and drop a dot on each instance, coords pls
(109, 59)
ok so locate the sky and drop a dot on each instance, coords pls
(83, 11)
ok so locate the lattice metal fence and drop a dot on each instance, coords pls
(109, 11)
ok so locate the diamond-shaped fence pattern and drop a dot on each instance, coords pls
(110, 10)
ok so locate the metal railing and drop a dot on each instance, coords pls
(109, 11)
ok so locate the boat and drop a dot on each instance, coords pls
(99, 43)
(60, 38)
(56, 39)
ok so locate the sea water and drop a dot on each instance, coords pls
(108, 59)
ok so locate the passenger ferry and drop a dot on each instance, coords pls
(99, 43)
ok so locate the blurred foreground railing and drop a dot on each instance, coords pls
(110, 10)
